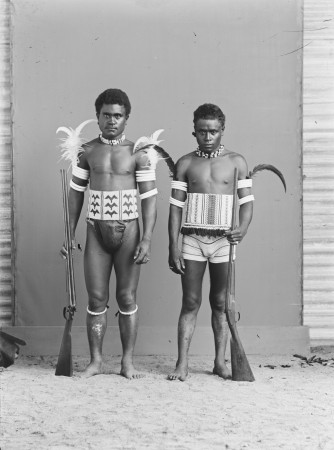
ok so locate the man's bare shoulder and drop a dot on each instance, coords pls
(127, 143)
(182, 166)
(235, 156)
(238, 160)
(186, 159)
(91, 145)
(142, 158)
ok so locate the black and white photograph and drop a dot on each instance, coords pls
(166, 224)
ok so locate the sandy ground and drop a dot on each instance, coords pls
(285, 408)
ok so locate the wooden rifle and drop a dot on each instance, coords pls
(64, 365)
(241, 370)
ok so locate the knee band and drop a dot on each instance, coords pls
(92, 313)
(128, 313)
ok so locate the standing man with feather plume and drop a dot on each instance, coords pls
(113, 165)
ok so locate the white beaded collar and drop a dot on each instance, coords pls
(218, 152)
(112, 141)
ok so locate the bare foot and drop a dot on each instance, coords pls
(128, 371)
(94, 368)
(180, 373)
(222, 371)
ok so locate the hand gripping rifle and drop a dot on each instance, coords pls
(241, 370)
(64, 364)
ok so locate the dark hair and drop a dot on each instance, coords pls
(113, 97)
(209, 111)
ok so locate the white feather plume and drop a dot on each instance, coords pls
(152, 155)
(147, 140)
(71, 146)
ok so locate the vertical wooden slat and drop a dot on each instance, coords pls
(6, 261)
(318, 170)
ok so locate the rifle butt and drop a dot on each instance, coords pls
(241, 370)
(64, 365)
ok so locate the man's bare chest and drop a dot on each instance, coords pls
(210, 172)
(111, 161)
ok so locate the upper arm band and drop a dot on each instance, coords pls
(181, 185)
(175, 202)
(80, 173)
(77, 187)
(246, 183)
(246, 199)
(145, 175)
(148, 194)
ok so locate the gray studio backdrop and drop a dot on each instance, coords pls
(169, 56)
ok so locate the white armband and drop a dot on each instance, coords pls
(248, 198)
(181, 185)
(175, 202)
(246, 183)
(77, 187)
(148, 194)
(145, 175)
(80, 173)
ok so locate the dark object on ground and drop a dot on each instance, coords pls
(315, 359)
(9, 349)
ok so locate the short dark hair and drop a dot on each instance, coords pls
(209, 111)
(113, 97)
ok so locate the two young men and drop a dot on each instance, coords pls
(203, 178)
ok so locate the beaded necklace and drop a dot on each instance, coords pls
(112, 141)
(214, 154)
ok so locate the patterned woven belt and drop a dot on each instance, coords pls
(112, 205)
(208, 214)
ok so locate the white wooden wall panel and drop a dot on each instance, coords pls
(6, 277)
(318, 170)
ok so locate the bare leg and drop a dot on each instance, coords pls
(218, 275)
(98, 265)
(96, 328)
(128, 326)
(191, 302)
(127, 274)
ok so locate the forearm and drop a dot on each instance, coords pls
(174, 225)
(149, 216)
(245, 216)
(75, 202)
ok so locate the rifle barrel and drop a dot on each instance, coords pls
(68, 242)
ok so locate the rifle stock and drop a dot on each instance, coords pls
(64, 364)
(241, 370)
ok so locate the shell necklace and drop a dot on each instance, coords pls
(214, 154)
(112, 141)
